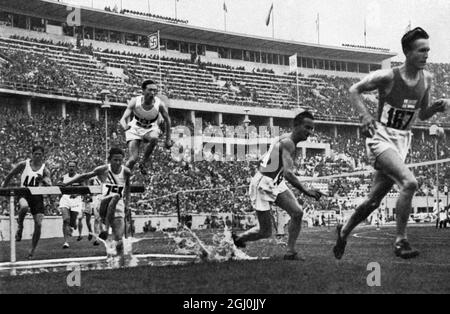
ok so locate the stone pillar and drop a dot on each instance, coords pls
(27, 104)
(218, 118)
(270, 122)
(190, 117)
(97, 113)
(335, 131)
(63, 110)
(358, 135)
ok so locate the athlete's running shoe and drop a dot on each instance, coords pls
(19, 234)
(339, 248)
(403, 249)
(103, 235)
(293, 257)
(239, 243)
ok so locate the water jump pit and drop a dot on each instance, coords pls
(189, 249)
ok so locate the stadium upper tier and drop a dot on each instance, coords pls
(49, 68)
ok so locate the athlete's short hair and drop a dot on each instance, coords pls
(115, 151)
(147, 82)
(298, 120)
(38, 147)
(411, 36)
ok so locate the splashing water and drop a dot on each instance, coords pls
(126, 259)
(221, 250)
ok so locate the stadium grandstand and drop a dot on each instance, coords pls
(66, 85)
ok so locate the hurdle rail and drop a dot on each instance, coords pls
(45, 190)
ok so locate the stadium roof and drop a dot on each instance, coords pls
(99, 18)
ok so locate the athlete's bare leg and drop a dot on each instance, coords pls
(152, 142)
(118, 227)
(103, 213)
(23, 210)
(289, 203)
(65, 212)
(89, 225)
(382, 184)
(261, 231)
(80, 227)
(394, 167)
(133, 149)
(112, 209)
(37, 233)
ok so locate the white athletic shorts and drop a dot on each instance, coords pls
(88, 208)
(385, 138)
(263, 191)
(73, 204)
(137, 133)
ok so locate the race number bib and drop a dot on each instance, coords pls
(397, 118)
(111, 189)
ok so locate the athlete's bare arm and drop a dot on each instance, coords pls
(101, 170)
(126, 193)
(17, 169)
(287, 151)
(46, 177)
(165, 114)
(375, 80)
(427, 110)
(124, 120)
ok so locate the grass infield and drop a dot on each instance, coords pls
(320, 273)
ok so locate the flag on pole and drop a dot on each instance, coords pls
(317, 22)
(293, 63)
(153, 41)
(365, 27)
(408, 28)
(225, 7)
(268, 15)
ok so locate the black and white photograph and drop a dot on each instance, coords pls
(224, 152)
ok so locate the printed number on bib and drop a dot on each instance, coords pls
(396, 118)
(110, 189)
(30, 181)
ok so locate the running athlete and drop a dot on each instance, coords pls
(149, 110)
(87, 213)
(115, 180)
(70, 205)
(404, 94)
(268, 186)
(33, 173)
(95, 205)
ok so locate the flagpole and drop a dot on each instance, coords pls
(175, 9)
(318, 28)
(273, 21)
(159, 61)
(365, 33)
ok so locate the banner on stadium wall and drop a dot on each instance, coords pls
(153, 41)
(54, 29)
(293, 63)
